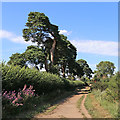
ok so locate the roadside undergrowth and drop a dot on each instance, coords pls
(110, 106)
(94, 108)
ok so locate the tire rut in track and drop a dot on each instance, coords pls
(83, 109)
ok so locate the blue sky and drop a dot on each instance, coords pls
(91, 26)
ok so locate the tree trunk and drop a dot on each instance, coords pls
(63, 70)
(46, 64)
(36, 67)
(52, 51)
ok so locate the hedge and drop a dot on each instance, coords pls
(15, 77)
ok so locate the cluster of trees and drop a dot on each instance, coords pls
(53, 51)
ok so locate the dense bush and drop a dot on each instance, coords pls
(109, 87)
(14, 77)
(113, 86)
(100, 85)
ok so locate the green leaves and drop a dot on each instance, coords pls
(86, 69)
(17, 59)
(65, 55)
(14, 77)
(105, 69)
(34, 55)
(39, 30)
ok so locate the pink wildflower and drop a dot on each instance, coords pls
(16, 99)
(21, 104)
(4, 93)
(19, 97)
(24, 87)
(17, 104)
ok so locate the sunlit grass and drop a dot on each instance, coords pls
(91, 109)
(110, 109)
(79, 102)
(110, 106)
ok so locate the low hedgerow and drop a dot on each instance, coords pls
(14, 77)
(101, 85)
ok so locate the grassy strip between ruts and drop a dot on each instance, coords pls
(79, 102)
(47, 104)
(95, 109)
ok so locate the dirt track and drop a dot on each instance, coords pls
(68, 109)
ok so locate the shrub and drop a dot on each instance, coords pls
(14, 77)
(100, 85)
(110, 87)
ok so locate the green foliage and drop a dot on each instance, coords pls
(98, 107)
(39, 30)
(107, 93)
(105, 69)
(35, 56)
(106, 82)
(86, 80)
(55, 69)
(76, 69)
(107, 101)
(110, 86)
(65, 55)
(17, 59)
(14, 77)
(100, 85)
(32, 56)
(78, 83)
(87, 71)
(113, 86)
(57, 49)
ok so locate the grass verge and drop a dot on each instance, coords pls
(91, 109)
(94, 108)
(110, 106)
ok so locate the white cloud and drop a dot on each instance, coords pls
(12, 37)
(85, 46)
(65, 32)
(5, 34)
(19, 39)
(109, 48)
